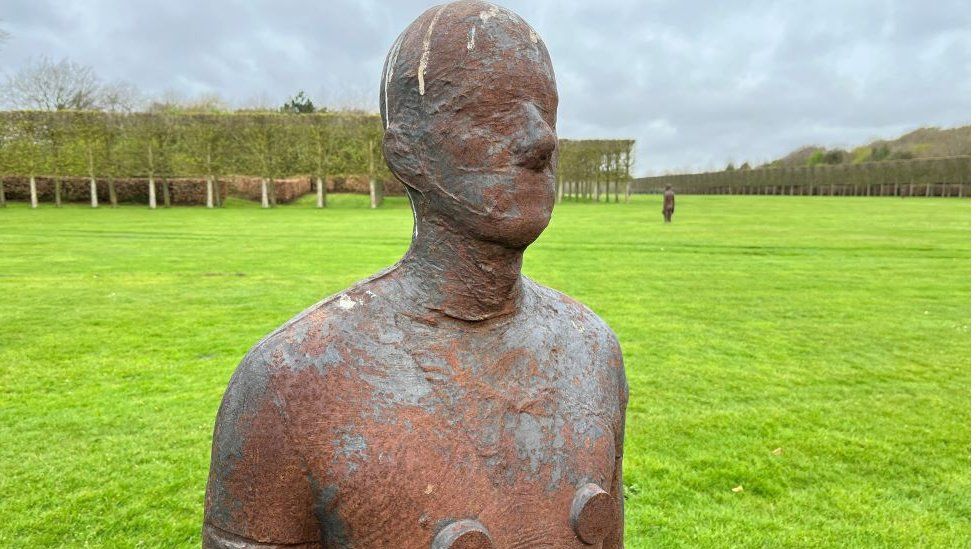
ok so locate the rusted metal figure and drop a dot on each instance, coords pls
(449, 401)
(668, 208)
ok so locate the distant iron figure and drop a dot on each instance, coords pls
(449, 401)
(668, 208)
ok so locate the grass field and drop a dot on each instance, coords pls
(814, 351)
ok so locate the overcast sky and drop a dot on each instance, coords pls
(696, 83)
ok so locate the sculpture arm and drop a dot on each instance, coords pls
(616, 537)
(258, 495)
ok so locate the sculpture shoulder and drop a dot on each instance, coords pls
(313, 337)
(581, 330)
(566, 312)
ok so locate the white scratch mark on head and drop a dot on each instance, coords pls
(346, 302)
(533, 37)
(425, 58)
(390, 62)
(489, 13)
(471, 39)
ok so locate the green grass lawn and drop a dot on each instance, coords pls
(814, 351)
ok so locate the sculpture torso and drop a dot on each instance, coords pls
(366, 425)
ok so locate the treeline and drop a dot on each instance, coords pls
(590, 168)
(940, 177)
(104, 147)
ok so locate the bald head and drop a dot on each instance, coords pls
(468, 100)
(451, 49)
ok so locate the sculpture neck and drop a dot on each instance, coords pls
(459, 276)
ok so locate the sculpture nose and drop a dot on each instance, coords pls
(538, 141)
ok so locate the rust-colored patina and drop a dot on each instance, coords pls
(449, 401)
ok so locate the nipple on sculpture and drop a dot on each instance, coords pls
(463, 534)
(592, 514)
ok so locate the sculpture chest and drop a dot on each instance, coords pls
(407, 437)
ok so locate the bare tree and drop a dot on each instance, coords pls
(206, 103)
(46, 85)
(119, 97)
(175, 102)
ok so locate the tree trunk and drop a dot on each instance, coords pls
(112, 197)
(3, 196)
(152, 180)
(166, 200)
(264, 193)
(33, 185)
(210, 177)
(319, 193)
(375, 189)
(559, 190)
(91, 174)
(375, 193)
(57, 192)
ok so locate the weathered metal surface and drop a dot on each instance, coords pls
(448, 401)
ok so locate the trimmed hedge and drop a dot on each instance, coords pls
(187, 149)
(948, 176)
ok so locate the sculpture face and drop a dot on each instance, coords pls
(469, 100)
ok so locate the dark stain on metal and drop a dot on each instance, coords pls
(449, 391)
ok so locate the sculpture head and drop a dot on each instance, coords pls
(468, 101)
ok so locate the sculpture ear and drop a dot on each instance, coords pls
(403, 158)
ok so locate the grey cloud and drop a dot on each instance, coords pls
(696, 83)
